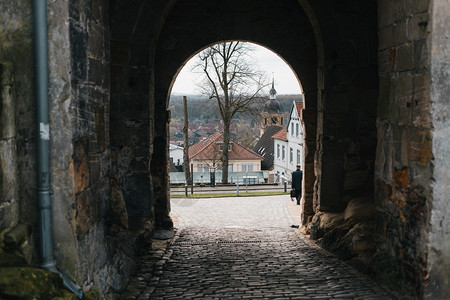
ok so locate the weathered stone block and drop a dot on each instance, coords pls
(421, 145)
(421, 115)
(417, 27)
(128, 133)
(401, 178)
(80, 164)
(421, 56)
(385, 96)
(100, 128)
(7, 107)
(97, 71)
(96, 40)
(386, 39)
(399, 33)
(356, 179)
(405, 58)
(420, 6)
(137, 81)
(117, 79)
(386, 17)
(404, 100)
(78, 45)
(136, 191)
(117, 203)
(120, 52)
(14, 238)
(86, 212)
(360, 210)
(8, 216)
(401, 9)
(136, 108)
(384, 62)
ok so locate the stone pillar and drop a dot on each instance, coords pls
(160, 161)
(309, 117)
(329, 156)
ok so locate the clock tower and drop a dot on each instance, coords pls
(273, 111)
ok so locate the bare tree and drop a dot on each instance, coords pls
(233, 81)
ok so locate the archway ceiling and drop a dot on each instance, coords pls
(163, 34)
(281, 26)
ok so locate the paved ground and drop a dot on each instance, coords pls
(244, 248)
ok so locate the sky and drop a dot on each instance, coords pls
(268, 61)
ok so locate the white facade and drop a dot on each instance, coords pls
(288, 152)
(176, 154)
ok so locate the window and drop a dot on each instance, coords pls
(230, 168)
(291, 155)
(247, 167)
(292, 129)
(202, 168)
(178, 162)
(283, 152)
(296, 129)
(221, 147)
(298, 157)
(278, 150)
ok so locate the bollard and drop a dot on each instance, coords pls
(185, 189)
(285, 186)
(237, 189)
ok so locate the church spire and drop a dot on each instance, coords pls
(273, 92)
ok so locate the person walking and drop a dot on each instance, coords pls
(297, 177)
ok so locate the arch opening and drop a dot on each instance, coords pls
(339, 87)
(276, 167)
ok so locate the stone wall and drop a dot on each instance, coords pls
(348, 89)
(92, 245)
(18, 201)
(132, 112)
(404, 165)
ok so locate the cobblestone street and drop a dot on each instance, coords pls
(244, 248)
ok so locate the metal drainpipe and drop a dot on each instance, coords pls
(43, 141)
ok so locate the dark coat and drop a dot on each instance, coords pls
(297, 177)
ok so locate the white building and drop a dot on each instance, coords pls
(288, 145)
(176, 154)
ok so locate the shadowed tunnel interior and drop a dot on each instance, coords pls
(374, 76)
(335, 60)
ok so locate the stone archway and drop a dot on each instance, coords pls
(366, 67)
(332, 97)
(257, 21)
(340, 83)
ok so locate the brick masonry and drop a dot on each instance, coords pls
(406, 152)
(379, 87)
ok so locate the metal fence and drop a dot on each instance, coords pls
(230, 188)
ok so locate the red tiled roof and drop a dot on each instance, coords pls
(280, 135)
(204, 142)
(299, 106)
(208, 148)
